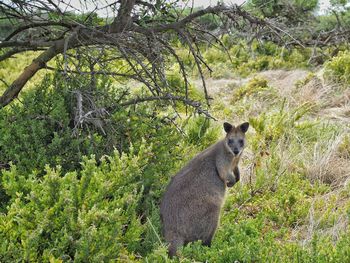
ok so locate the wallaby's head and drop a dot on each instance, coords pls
(235, 137)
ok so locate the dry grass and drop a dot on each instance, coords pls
(328, 165)
(332, 102)
(341, 114)
(284, 80)
(319, 222)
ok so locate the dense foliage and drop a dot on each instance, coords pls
(339, 68)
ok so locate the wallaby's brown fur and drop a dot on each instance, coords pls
(190, 208)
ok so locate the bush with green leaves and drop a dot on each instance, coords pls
(92, 215)
(338, 68)
(37, 132)
(257, 86)
(44, 131)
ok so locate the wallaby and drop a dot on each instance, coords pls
(190, 208)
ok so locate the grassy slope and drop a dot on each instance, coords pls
(293, 204)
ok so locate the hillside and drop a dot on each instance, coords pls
(292, 204)
(293, 201)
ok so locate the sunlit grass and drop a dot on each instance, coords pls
(11, 68)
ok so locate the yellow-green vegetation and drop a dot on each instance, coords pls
(10, 70)
(339, 67)
(292, 204)
(242, 59)
(255, 86)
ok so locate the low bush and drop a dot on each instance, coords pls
(255, 87)
(91, 215)
(338, 68)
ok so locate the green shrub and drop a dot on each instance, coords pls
(44, 130)
(40, 129)
(215, 55)
(286, 125)
(201, 133)
(87, 216)
(256, 86)
(339, 67)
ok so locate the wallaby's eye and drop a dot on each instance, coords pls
(241, 142)
(230, 141)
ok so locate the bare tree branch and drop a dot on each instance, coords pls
(13, 90)
(138, 35)
(34, 25)
(196, 105)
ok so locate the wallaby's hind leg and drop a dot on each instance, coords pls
(207, 242)
(174, 244)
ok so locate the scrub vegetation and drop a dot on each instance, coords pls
(82, 182)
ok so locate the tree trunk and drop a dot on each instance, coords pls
(123, 18)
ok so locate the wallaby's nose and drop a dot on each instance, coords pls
(235, 151)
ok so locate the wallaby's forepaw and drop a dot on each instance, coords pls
(230, 184)
(235, 178)
(237, 174)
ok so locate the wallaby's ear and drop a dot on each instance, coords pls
(228, 127)
(244, 127)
